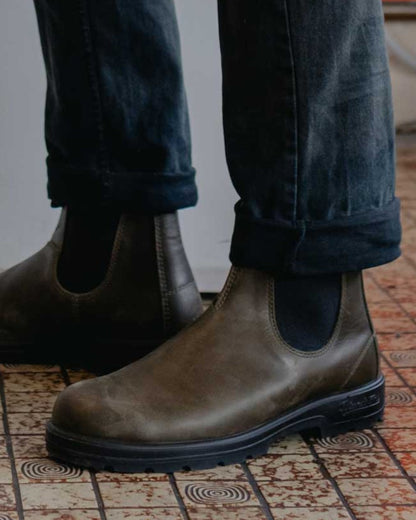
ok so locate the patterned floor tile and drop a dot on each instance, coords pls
(24, 402)
(29, 446)
(217, 493)
(8, 515)
(46, 470)
(7, 368)
(28, 423)
(373, 292)
(349, 442)
(3, 448)
(404, 288)
(129, 494)
(131, 477)
(399, 440)
(391, 342)
(79, 375)
(222, 513)
(321, 513)
(7, 500)
(409, 307)
(408, 461)
(285, 467)
(235, 472)
(5, 473)
(290, 444)
(58, 496)
(401, 358)
(391, 377)
(360, 465)
(409, 375)
(385, 513)
(144, 514)
(389, 276)
(377, 491)
(400, 396)
(33, 382)
(389, 317)
(296, 493)
(68, 514)
(399, 417)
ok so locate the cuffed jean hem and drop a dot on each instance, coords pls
(143, 192)
(305, 248)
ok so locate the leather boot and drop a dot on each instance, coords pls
(224, 388)
(148, 294)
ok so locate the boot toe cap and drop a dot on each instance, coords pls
(81, 409)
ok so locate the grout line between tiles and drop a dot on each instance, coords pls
(10, 453)
(394, 459)
(327, 475)
(178, 496)
(259, 495)
(95, 486)
(98, 497)
(398, 374)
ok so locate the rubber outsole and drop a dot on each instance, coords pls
(339, 413)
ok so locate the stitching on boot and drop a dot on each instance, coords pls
(232, 277)
(161, 267)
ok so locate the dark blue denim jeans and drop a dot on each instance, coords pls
(307, 118)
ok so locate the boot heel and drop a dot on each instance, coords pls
(356, 410)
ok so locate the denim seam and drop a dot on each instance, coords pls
(90, 55)
(295, 107)
(298, 244)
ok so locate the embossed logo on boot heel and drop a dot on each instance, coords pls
(352, 405)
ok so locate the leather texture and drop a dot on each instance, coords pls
(148, 293)
(227, 373)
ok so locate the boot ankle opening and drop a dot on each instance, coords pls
(87, 248)
(307, 309)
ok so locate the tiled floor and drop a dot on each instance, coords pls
(369, 475)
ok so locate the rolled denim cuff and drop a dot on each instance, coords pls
(347, 244)
(144, 192)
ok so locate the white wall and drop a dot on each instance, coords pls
(26, 221)
(208, 228)
(403, 76)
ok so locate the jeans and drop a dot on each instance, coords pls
(308, 123)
